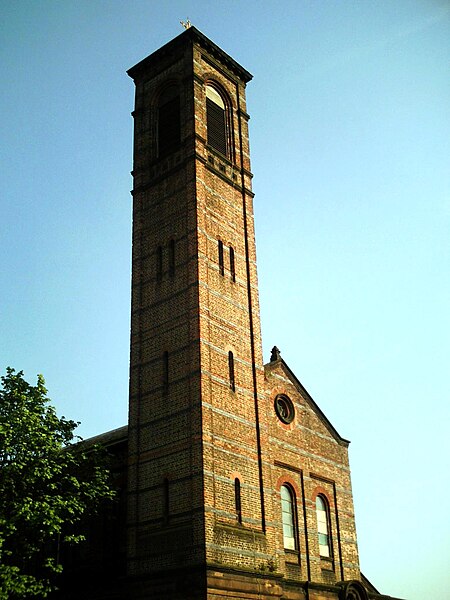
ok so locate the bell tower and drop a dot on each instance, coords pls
(236, 484)
(196, 486)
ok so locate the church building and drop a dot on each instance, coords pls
(234, 484)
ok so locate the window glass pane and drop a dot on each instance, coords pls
(322, 527)
(321, 515)
(213, 94)
(288, 536)
(288, 530)
(285, 494)
(287, 519)
(320, 504)
(289, 543)
(287, 513)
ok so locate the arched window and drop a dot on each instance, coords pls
(288, 517)
(237, 499)
(221, 263)
(354, 590)
(231, 371)
(165, 373)
(169, 130)
(232, 264)
(216, 120)
(323, 530)
(166, 500)
(172, 258)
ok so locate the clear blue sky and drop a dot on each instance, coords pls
(350, 110)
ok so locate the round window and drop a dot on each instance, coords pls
(284, 408)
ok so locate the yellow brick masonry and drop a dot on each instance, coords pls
(193, 431)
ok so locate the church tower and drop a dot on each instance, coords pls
(196, 370)
(234, 483)
(238, 485)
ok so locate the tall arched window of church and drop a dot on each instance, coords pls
(216, 120)
(323, 527)
(288, 518)
(169, 130)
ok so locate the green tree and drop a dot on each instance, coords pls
(48, 484)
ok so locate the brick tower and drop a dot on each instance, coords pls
(196, 371)
(232, 483)
(238, 485)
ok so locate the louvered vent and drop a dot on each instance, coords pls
(215, 122)
(169, 126)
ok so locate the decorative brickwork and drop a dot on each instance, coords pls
(228, 431)
(215, 437)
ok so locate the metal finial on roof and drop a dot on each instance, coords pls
(186, 24)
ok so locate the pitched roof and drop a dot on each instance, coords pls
(190, 36)
(108, 438)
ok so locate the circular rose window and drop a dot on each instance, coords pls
(284, 408)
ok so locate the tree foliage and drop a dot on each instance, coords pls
(48, 483)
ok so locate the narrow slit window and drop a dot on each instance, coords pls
(323, 529)
(221, 263)
(166, 500)
(159, 263)
(231, 371)
(237, 499)
(172, 258)
(166, 371)
(288, 518)
(216, 120)
(232, 264)
(168, 123)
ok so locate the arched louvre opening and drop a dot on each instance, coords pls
(216, 120)
(169, 128)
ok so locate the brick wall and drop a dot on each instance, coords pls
(202, 423)
(310, 456)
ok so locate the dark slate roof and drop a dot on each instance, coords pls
(109, 438)
(190, 36)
